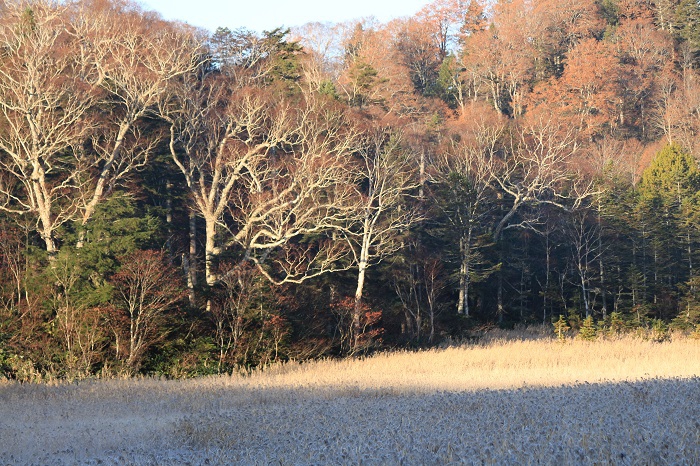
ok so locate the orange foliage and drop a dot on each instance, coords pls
(586, 94)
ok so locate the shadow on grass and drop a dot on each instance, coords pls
(212, 421)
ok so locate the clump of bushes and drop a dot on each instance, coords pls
(613, 326)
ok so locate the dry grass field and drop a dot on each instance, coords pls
(506, 400)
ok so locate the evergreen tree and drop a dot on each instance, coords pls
(668, 198)
(688, 23)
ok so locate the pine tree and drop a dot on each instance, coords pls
(688, 22)
(668, 198)
(561, 327)
(588, 330)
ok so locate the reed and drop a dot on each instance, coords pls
(512, 398)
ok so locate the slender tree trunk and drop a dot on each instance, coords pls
(500, 308)
(465, 244)
(421, 189)
(656, 273)
(210, 251)
(361, 274)
(133, 342)
(644, 264)
(548, 262)
(169, 218)
(521, 291)
(357, 311)
(584, 294)
(690, 257)
(191, 261)
(462, 280)
(102, 181)
(634, 279)
(432, 325)
(601, 265)
(419, 323)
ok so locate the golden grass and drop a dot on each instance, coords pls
(501, 363)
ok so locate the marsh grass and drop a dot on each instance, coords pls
(498, 361)
(510, 398)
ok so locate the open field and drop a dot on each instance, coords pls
(624, 401)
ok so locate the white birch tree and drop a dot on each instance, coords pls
(389, 179)
(263, 174)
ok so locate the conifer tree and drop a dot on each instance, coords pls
(668, 195)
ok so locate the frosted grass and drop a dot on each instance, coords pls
(506, 402)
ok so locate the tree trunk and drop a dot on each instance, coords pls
(42, 200)
(361, 273)
(500, 309)
(357, 311)
(49, 241)
(548, 254)
(421, 188)
(601, 265)
(584, 293)
(191, 260)
(210, 251)
(461, 305)
(103, 180)
(169, 218)
(465, 269)
(432, 324)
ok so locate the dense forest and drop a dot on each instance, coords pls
(176, 202)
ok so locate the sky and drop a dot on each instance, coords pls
(259, 15)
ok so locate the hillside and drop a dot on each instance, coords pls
(177, 202)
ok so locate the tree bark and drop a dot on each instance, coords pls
(191, 270)
(357, 310)
(210, 251)
(465, 270)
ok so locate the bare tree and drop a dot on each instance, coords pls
(583, 233)
(45, 100)
(146, 287)
(78, 89)
(678, 110)
(389, 178)
(229, 314)
(136, 58)
(263, 174)
(538, 170)
(419, 285)
(466, 172)
(76, 323)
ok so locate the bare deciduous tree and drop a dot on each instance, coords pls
(389, 178)
(45, 101)
(466, 172)
(583, 233)
(263, 174)
(145, 288)
(63, 66)
(539, 170)
(136, 58)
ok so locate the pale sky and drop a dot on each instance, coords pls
(259, 15)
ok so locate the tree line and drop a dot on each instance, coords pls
(178, 202)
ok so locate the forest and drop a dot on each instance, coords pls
(176, 202)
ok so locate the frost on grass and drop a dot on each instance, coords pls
(297, 415)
